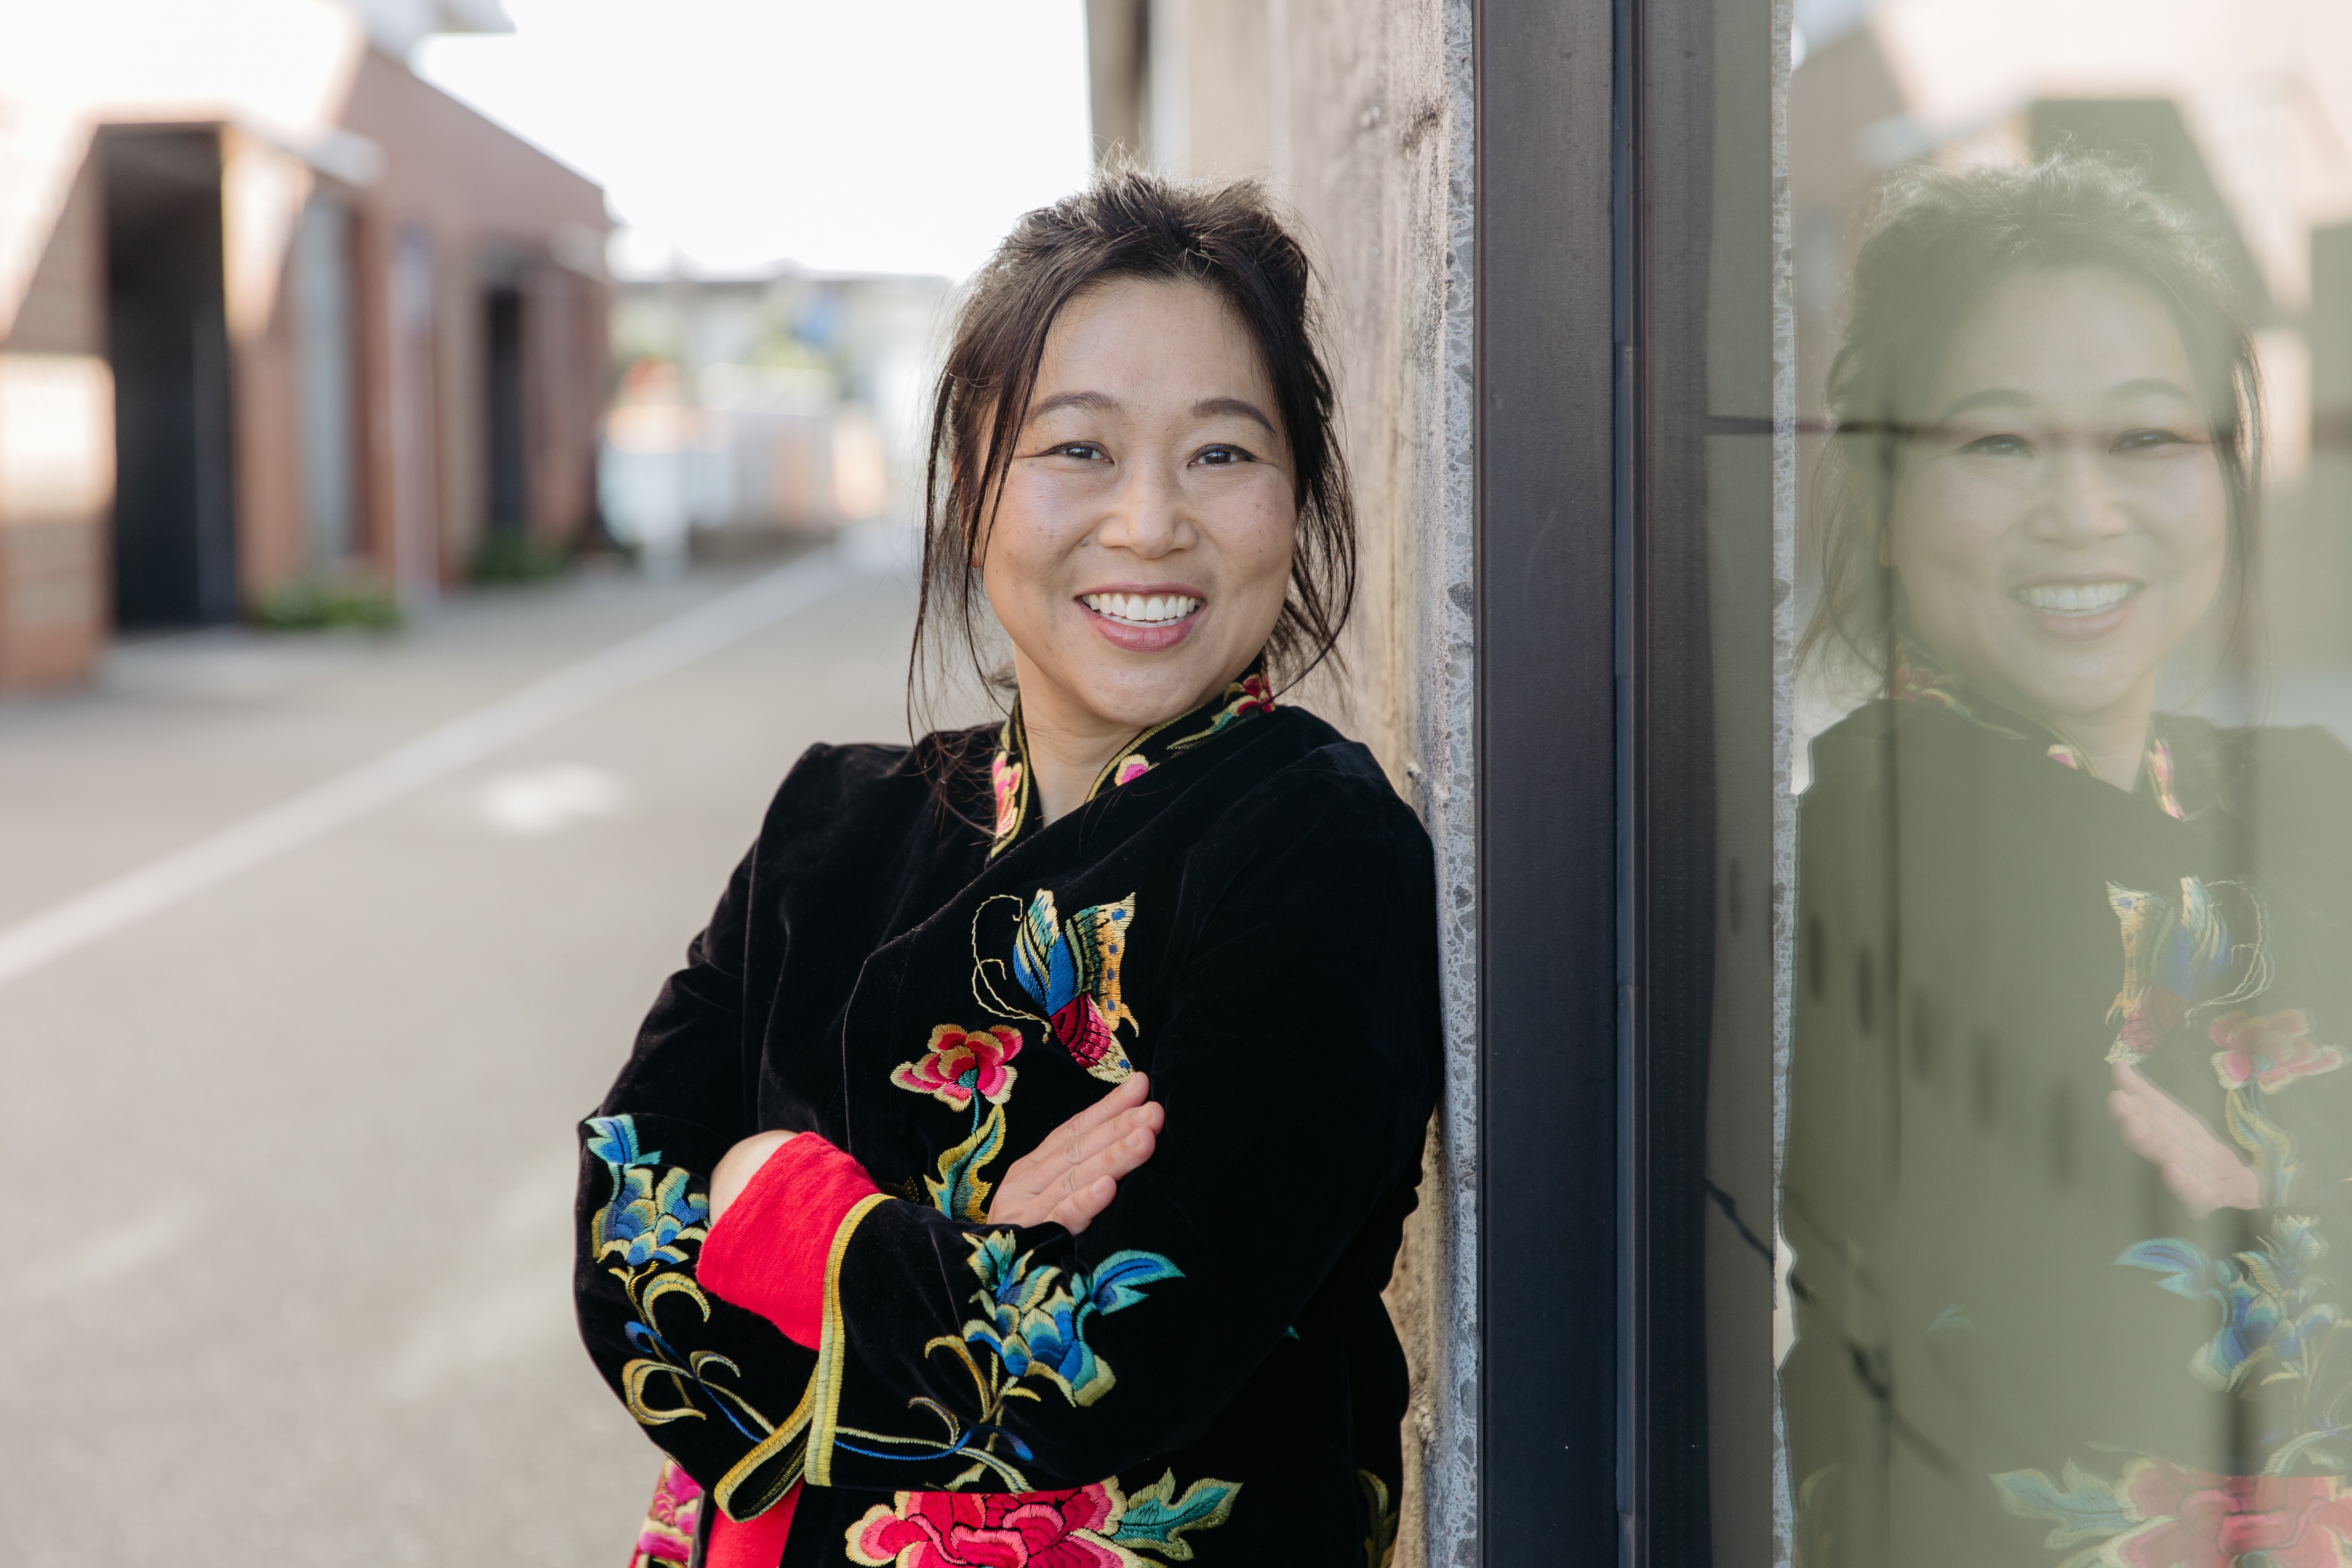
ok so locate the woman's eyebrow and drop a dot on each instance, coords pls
(2004, 397)
(1084, 402)
(1208, 406)
(2149, 386)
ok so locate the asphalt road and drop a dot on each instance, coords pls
(285, 1278)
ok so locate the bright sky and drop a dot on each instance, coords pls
(872, 135)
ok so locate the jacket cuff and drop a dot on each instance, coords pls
(768, 1252)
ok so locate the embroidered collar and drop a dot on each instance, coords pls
(1916, 678)
(1009, 773)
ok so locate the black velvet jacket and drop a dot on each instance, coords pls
(1243, 909)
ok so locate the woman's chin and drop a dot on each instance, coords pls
(2063, 697)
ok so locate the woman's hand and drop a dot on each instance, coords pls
(2202, 1171)
(1073, 1175)
(739, 1165)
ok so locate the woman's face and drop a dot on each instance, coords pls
(2060, 524)
(1140, 546)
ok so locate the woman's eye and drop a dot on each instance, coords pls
(2147, 440)
(1223, 456)
(1998, 447)
(1085, 451)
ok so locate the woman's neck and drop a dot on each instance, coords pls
(1069, 742)
(1066, 751)
(2112, 742)
(2115, 747)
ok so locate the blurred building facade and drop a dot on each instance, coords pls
(753, 409)
(272, 310)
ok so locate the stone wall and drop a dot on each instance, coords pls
(1359, 117)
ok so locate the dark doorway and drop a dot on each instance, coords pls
(174, 520)
(509, 472)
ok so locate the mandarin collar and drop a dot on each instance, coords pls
(1018, 810)
(1917, 678)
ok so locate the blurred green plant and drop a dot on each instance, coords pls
(311, 604)
(509, 556)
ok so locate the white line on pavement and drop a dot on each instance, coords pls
(435, 755)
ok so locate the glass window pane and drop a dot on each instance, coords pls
(2065, 1205)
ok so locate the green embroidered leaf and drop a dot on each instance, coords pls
(615, 1142)
(2083, 1507)
(1380, 1546)
(1156, 1518)
(958, 1192)
(1117, 1281)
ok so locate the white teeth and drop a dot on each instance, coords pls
(1143, 610)
(2075, 598)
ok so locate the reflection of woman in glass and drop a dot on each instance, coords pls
(887, 1236)
(2069, 1122)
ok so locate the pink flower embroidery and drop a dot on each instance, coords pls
(667, 1535)
(962, 1063)
(2273, 1050)
(1255, 694)
(992, 1530)
(1005, 775)
(1131, 770)
(2200, 1520)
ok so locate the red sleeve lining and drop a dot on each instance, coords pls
(768, 1252)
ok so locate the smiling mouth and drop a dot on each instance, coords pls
(1141, 609)
(2075, 598)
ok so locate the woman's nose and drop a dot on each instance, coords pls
(2078, 503)
(1147, 516)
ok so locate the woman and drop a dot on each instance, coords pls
(2069, 1128)
(1012, 1171)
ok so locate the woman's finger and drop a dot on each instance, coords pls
(1077, 1211)
(1085, 1190)
(1111, 1132)
(1130, 1092)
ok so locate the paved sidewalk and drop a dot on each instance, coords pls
(287, 1280)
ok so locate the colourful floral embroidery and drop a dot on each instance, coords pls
(1250, 694)
(958, 1191)
(1007, 776)
(1034, 1328)
(2159, 779)
(2178, 960)
(667, 1535)
(1035, 1325)
(2271, 1051)
(2272, 1314)
(2160, 1515)
(961, 1063)
(1130, 770)
(1072, 971)
(1094, 1527)
(642, 1224)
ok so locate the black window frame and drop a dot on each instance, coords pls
(1608, 1207)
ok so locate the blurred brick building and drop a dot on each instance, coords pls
(272, 310)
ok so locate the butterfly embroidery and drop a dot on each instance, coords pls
(2177, 960)
(1071, 969)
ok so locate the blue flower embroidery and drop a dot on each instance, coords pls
(2269, 1298)
(1037, 1317)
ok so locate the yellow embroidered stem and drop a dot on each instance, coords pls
(825, 1385)
(780, 1454)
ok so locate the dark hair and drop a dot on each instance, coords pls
(1939, 242)
(1133, 224)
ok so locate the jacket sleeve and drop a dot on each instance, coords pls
(717, 1388)
(1297, 1064)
